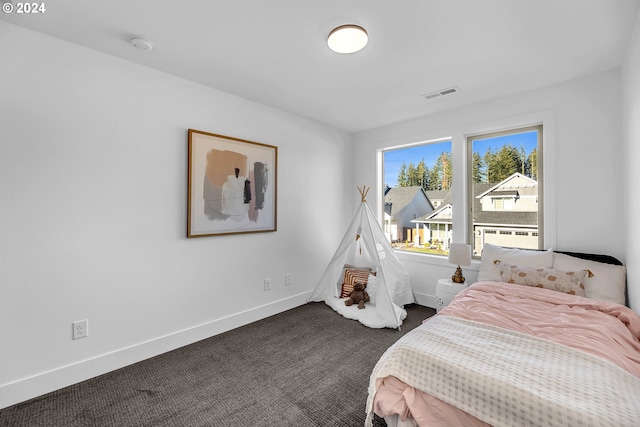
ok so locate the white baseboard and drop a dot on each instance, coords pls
(425, 299)
(45, 382)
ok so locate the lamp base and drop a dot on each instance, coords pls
(458, 277)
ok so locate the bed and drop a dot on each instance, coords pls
(542, 338)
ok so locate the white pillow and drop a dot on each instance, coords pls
(524, 257)
(607, 283)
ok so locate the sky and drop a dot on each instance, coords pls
(429, 152)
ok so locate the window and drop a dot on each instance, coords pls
(503, 193)
(417, 197)
(506, 181)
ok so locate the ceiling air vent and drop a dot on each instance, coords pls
(442, 92)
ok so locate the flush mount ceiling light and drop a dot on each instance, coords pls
(141, 44)
(347, 38)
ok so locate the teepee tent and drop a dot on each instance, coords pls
(363, 247)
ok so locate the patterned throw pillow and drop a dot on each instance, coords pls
(569, 282)
(349, 267)
(351, 277)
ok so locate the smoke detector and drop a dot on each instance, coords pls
(141, 44)
(442, 92)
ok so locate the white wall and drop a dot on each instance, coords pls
(631, 150)
(93, 202)
(583, 158)
(93, 173)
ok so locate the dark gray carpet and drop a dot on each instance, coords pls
(307, 366)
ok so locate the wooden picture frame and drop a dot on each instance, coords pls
(232, 186)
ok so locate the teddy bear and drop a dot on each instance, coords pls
(358, 296)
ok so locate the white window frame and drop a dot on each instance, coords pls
(540, 177)
(459, 152)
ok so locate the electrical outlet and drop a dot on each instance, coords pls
(267, 284)
(80, 329)
(288, 279)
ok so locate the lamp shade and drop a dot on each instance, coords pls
(460, 254)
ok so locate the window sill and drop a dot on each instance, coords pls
(429, 259)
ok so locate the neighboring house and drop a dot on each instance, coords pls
(504, 214)
(438, 233)
(437, 227)
(401, 206)
(439, 198)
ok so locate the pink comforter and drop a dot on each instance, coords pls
(607, 330)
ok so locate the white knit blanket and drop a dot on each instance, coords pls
(506, 378)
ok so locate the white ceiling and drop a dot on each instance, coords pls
(274, 51)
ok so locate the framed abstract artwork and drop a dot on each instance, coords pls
(232, 185)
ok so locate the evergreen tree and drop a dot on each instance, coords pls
(427, 179)
(402, 175)
(434, 178)
(421, 172)
(445, 170)
(439, 176)
(412, 175)
(526, 162)
(488, 161)
(503, 163)
(478, 172)
(533, 164)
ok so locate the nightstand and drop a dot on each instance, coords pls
(446, 290)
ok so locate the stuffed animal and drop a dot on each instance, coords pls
(358, 296)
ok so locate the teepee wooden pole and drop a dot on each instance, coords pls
(363, 192)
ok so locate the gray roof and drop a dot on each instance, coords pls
(397, 198)
(487, 217)
(430, 216)
(444, 195)
(499, 217)
(505, 192)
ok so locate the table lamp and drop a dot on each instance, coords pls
(459, 254)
